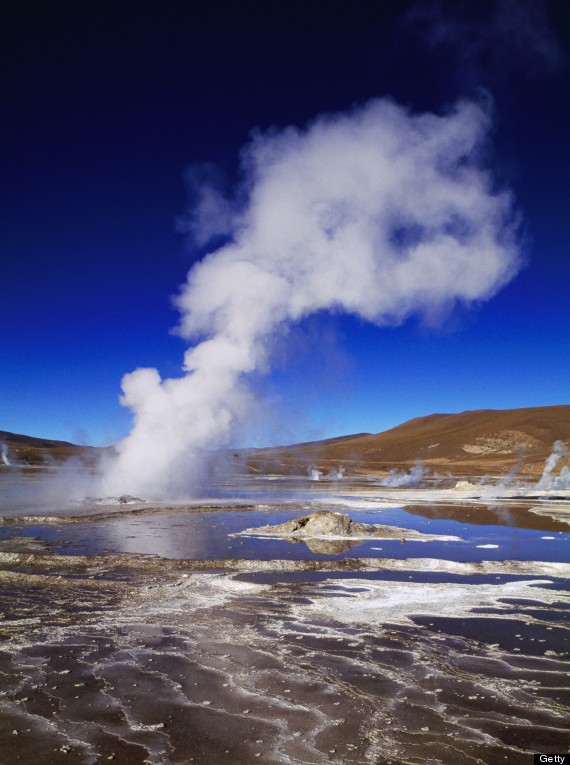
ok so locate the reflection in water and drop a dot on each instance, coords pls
(328, 546)
(517, 516)
(186, 533)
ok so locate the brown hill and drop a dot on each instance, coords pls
(27, 450)
(482, 442)
(473, 443)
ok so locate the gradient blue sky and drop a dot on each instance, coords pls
(105, 107)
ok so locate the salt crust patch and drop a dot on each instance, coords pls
(376, 601)
(191, 570)
(559, 512)
(198, 590)
(382, 497)
(348, 502)
(397, 602)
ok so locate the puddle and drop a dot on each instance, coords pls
(187, 533)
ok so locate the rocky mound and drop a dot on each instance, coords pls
(325, 524)
(322, 524)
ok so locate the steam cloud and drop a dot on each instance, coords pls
(4, 454)
(402, 478)
(333, 475)
(490, 41)
(378, 212)
(549, 480)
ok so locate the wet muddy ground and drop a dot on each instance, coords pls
(128, 655)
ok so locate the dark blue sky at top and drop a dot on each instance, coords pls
(105, 106)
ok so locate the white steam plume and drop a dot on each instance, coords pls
(314, 474)
(4, 454)
(402, 478)
(550, 481)
(378, 212)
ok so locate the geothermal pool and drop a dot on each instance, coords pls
(146, 633)
(214, 534)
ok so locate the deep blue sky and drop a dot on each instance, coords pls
(106, 105)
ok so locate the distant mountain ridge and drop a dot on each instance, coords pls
(472, 443)
(29, 450)
(484, 441)
(32, 441)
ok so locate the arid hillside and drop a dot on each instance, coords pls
(473, 443)
(482, 442)
(27, 450)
